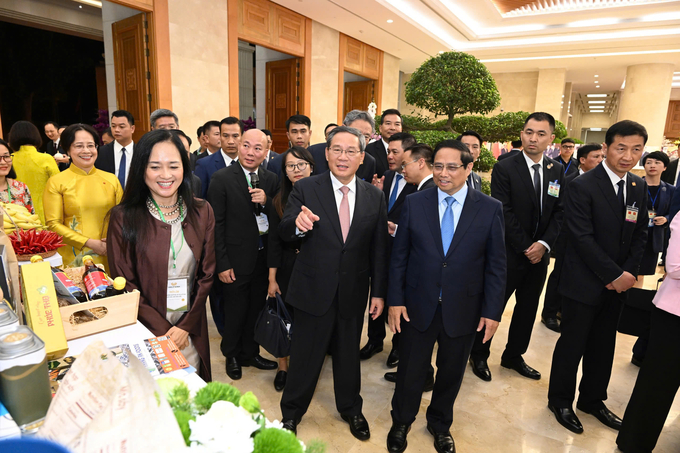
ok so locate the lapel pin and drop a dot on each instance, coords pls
(550, 166)
(634, 184)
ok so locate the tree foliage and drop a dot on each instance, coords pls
(453, 83)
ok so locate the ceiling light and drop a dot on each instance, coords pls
(441, 51)
(594, 22)
(597, 75)
(597, 95)
(675, 84)
(597, 102)
(597, 86)
(95, 3)
(389, 21)
(561, 57)
(596, 129)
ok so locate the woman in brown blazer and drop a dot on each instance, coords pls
(161, 239)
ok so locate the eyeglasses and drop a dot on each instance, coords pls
(449, 167)
(300, 166)
(7, 158)
(404, 164)
(567, 146)
(350, 152)
(82, 146)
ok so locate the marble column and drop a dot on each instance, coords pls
(325, 68)
(566, 105)
(549, 91)
(646, 96)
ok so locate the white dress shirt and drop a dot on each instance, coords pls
(425, 179)
(118, 155)
(384, 143)
(457, 207)
(614, 178)
(530, 164)
(402, 184)
(351, 195)
(227, 160)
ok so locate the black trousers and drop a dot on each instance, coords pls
(216, 304)
(552, 302)
(377, 330)
(415, 354)
(588, 332)
(241, 304)
(655, 388)
(312, 337)
(526, 282)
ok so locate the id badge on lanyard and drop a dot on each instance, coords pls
(178, 294)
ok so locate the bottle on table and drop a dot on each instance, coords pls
(117, 288)
(95, 279)
(65, 280)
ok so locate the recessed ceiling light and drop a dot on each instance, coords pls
(597, 95)
(597, 86)
(80, 6)
(389, 21)
(597, 75)
(597, 102)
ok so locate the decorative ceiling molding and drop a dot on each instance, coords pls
(518, 8)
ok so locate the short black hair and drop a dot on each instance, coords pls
(107, 131)
(471, 134)
(421, 151)
(329, 125)
(69, 135)
(389, 112)
(24, 133)
(542, 116)
(625, 128)
(12, 174)
(298, 119)
(56, 126)
(267, 132)
(210, 124)
(465, 154)
(658, 155)
(199, 131)
(584, 150)
(126, 114)
(231, 120)
(181, 133)
(516, 144)
(407, 140)
(567, 140)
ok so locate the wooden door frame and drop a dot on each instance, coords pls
(233, 37)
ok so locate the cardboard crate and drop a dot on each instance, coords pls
(121, 311)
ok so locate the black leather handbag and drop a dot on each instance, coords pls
(273, 328)
(635, 318)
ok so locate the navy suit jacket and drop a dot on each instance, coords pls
(657, 233)
(105, 159)
(206, 167)
(470, 277)
(274, 164)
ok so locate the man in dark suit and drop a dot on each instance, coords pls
(270, 154)
(528, 184)
(241, 228)
(200, 136)
(589, 156)
(231, 130)
(342, 220)
(195, 180)
(298, 132)
(606, 222)
(117, 155)
(417, 166)
(569, 164)
(390, 123)
(53, 147)
(212, 138)
(163, 119)
(670, 175)
(516, 149)
(473, 141)
(395, 188)
(442, 298)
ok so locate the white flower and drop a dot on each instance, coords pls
(224, 428)
(274, 424)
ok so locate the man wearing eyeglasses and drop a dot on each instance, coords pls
(473, 141)
(569, 164)
(446, 282)
(395, 188)
(342, 259)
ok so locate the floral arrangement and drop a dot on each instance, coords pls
(220, 419)
(248, 124)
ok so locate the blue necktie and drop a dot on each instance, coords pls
(448, 227)
(395, 192)
(121, 168)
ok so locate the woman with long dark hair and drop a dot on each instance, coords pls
(11, 189)
(78, 199)
(161, 239)
(296, 163)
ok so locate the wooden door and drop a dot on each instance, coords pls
(133, 78)
(672, 129)
(358, 95)
(282, 98)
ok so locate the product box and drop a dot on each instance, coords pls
(42, 308)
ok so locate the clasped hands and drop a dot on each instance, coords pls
(623, 283)
(535, 252)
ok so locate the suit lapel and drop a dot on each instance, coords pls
(111, 158)
(382, 153)
(432, 215)
(468, 214)
(324, 193)
(360, 204)
(237, 170)
(608, 190)
(526, 177)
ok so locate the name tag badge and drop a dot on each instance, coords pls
(178, 294)
(631, 214)
(554, 189)
(262, 223)
(652, 214)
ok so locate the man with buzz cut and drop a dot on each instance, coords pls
(390, 124)
(298, 132)
(473, 141)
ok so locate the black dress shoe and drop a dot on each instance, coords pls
(290, 425)
(636, 360)
(551, 323)
(396, 438)
(358, 426)
(567, 418)
(443, 442)
(393, 358)
(605, 416)
(260, 363)
(481, 369)
(370, 350)
(522, 368)
(391, 376)
(280, 380)
(233, 368)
